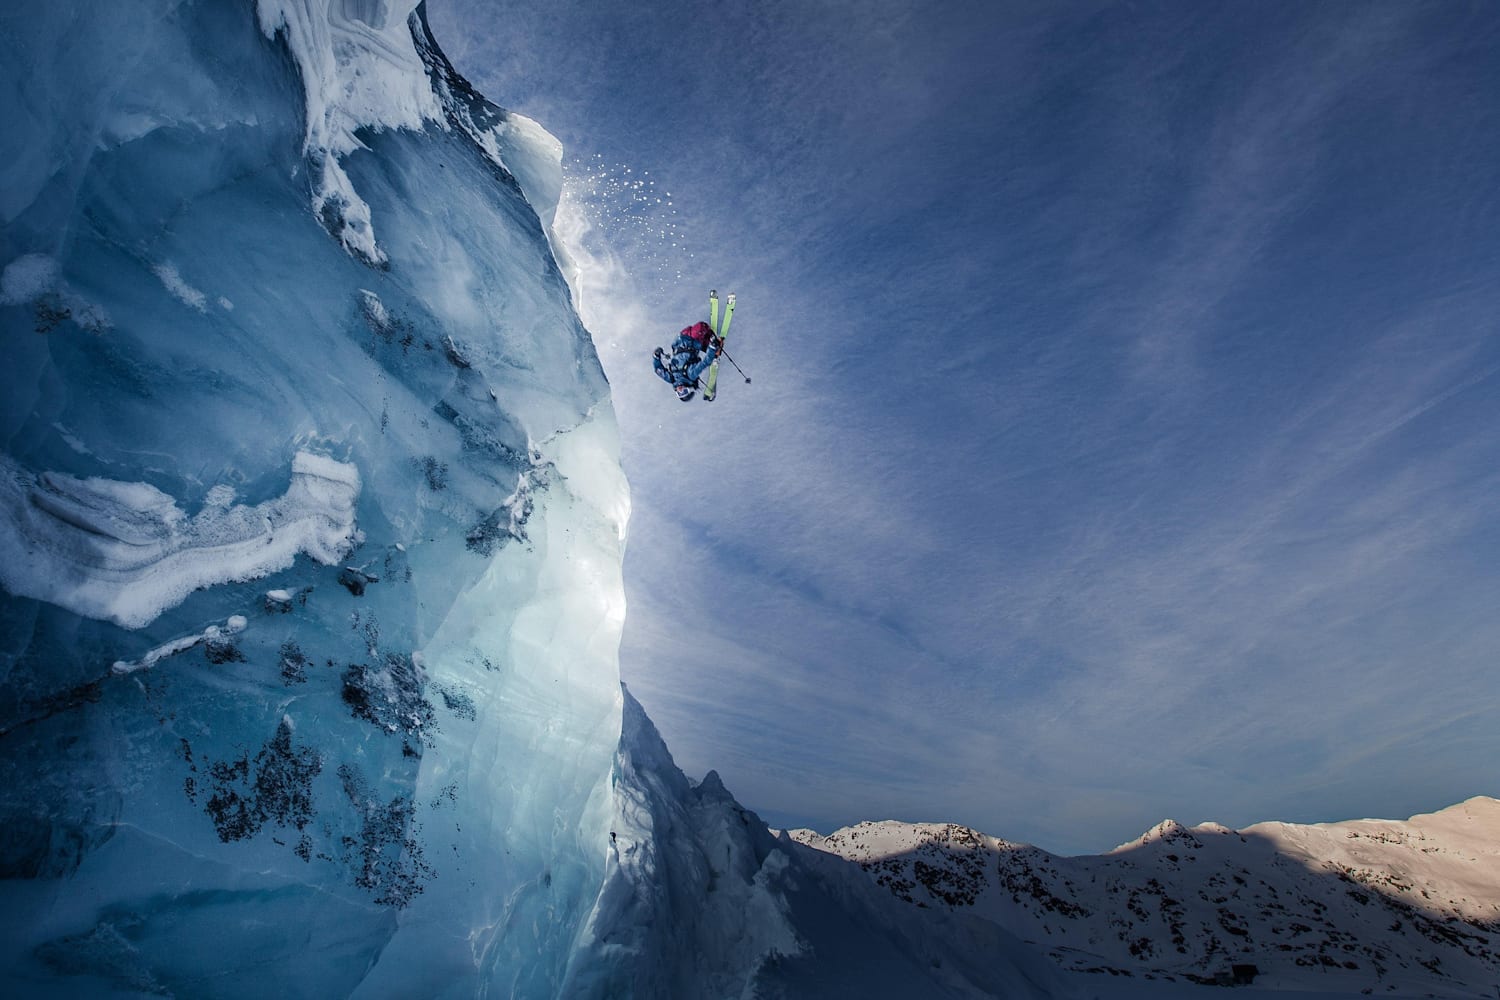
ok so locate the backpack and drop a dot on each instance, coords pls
(700, 332)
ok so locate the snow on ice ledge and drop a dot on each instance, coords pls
(125, 552)
(214, 634)
(362, 69)
(359, 70)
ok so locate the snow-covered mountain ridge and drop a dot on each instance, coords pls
(1366, 906)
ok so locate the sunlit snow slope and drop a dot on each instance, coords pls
(311, 516)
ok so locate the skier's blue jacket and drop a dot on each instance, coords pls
(685, 362)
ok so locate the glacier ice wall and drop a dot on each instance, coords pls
(310, 516)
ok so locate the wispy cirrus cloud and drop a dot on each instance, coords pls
(1123, 433)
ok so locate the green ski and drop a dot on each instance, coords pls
(713, 310)
(712, 388)
(728, 315)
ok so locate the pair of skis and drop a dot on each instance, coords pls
(711, 389)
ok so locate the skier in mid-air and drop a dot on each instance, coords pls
(691, 353)
(696, 350)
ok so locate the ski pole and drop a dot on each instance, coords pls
(735, 363)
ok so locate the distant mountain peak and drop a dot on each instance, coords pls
(1364, 906)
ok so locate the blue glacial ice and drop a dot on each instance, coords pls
(311, 516)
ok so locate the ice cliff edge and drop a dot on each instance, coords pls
(311, 516)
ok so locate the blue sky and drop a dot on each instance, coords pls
(1124, 439)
